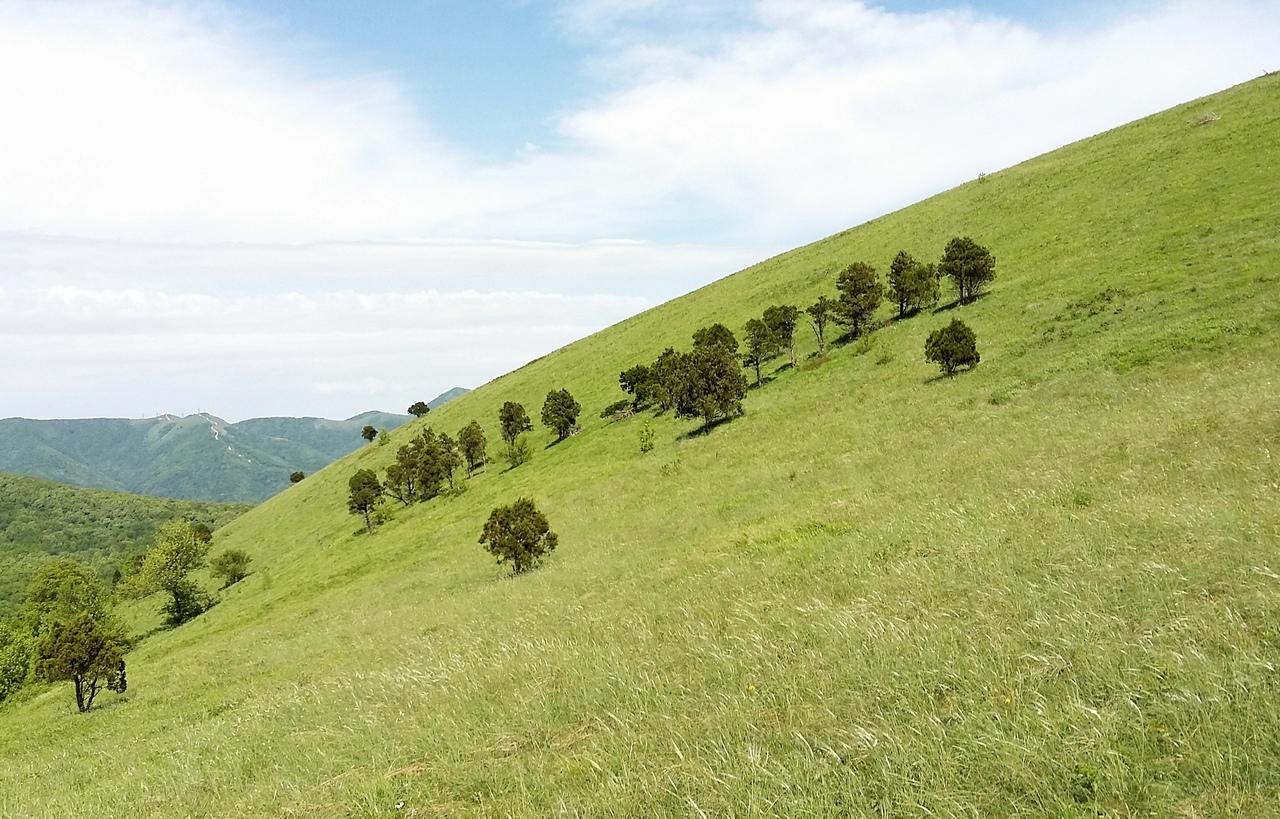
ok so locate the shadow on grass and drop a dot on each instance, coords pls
(706, 429)
(945, 376)
(952, 305)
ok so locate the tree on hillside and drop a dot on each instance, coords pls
(969, 265)
(952, 347)
(711, 386)
(513, 420)
(717, 335)
(232, 566)
(781, 319)
(365, 493)
(761, 346)
(178, 551)
(202, 532)
(911, 283)
(821, 313)
(638, 383)
(369, 433)
(450, 458)
(860, 294)
(418, 409)
(519, 534)
(84, 651)
(296, 477)
(61, 589)
(666, 375)
(472, 442)
(560, 412)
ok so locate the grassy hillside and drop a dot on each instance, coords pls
(41, 519)
(1046, 587)
(198, 457)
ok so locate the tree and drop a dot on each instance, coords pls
(781, 320)
(912, 284)
(761, 346)
(518, 534)
(717, 335)
(969, 265)
(513, 420)
(418, 409)
(202, 532)
(860, 294)
(560, 412)
(296, 477)
(365, 494)
(85, 652)
(952, 347)
(178, 551)
(821, 313)
(232, 566)
(712, 385)
(369, 433)
(61, 589)
(666, 374)
(450, 458)
(472, 442)
(638, 383)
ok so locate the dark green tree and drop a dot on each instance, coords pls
(418, 409)
(560, 412)
(60, 589)
(472, 442)
(518, 534)
(761, 345)
(782, 319)
(638, 383)
(450, 458)
(952, 347)
(402, 475)
(87, 653)
(821, 313)
(911, 283)
(712, 385)
(513, 420)
(364, 496)
(666, 375)
(178, 551)
(969, 265)
(860, 294)
(717, 335)
(296, 477)
(232, 566)
(369, 433)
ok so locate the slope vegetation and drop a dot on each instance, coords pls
(1045, 587)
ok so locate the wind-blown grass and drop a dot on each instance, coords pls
(1048, 586)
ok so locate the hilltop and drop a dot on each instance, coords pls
(196, 457)
(1044, 587)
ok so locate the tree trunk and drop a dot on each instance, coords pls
(368, 524)
(791, 347)
(757, 372)
(79, 681)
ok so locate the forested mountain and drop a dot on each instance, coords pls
(40, 519)
(197, 457)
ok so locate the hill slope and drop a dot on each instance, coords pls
(1045, 587)
(198, 457)
(41, 519)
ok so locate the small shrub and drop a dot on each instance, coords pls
(296, 477)
(617, 410)
(232, 566)
(952, 347)
(519, 452)
(518, 534)
(647, 437)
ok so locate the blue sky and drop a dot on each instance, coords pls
(319, 208)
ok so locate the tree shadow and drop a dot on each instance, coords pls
(706, 429)
(952, 305)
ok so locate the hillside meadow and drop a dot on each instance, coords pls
(1049, 586)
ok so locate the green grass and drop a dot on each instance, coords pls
(1049, 586)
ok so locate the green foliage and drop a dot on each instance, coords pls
(637, 382)
(618, 409)
(232, 566)
(85, 652)
(178, 551)
(473, 445)
(912, 285)
(384, 437)
(513, 420)
(418, 409)
(17, 657)
(761, 346)
(364, 492)
(821, 313)
(647, 437)
(717, 335)
(711, 385)
(969, 265)
(860, 293)
(518, 534)
(781, 320)
(519, 452)
(296, 477)
(560, 413)
(62, 588)
(666, 376)
(369, 433)
(952, 347)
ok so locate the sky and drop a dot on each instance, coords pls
(320, 208)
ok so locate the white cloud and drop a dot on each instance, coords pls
(195, 216)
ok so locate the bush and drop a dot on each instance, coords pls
(969, 265)
(952, 347)
(86, 653)
(232, 566)
(518, 534)
(618, 409)
(296, 477)
(365, 494)
(647, 437)
(560, 412)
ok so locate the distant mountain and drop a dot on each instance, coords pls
(40, 519)
(447, 396)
